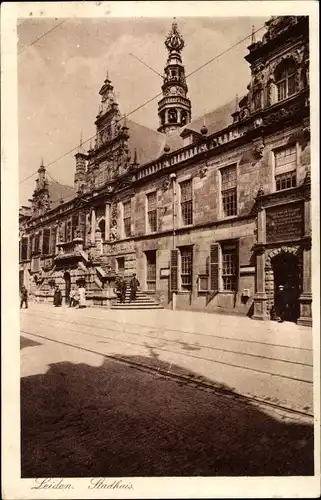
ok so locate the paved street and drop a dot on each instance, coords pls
(86, 414)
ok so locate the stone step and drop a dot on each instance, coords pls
(136, 306)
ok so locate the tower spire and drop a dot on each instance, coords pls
(174, 108)
(253, 39)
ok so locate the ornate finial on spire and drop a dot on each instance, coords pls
(204, 129)
(174, 40)
(253, 40)
(80, 147)
(41, 168)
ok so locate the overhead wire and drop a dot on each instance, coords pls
(40, 37)
(149, 100)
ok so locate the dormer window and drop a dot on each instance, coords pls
(285, 79)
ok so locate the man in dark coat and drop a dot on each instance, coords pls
(57, 297)
(24, 297)
(133, 284)
(280, 303)
(122, 288)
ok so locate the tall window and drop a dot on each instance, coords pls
(285, 167)
(228, 191)
(151, 270)
(186, 268)
(186, 202)
(127, 218)
(285, 77)
(37, 243)
(53, 239)
(24, 248)
(46, 241)
(229, 267)
(74, 224)
(152, 212)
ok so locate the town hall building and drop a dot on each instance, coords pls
(211, 214)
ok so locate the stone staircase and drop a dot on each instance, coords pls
(143, 301)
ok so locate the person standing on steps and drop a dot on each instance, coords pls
(123, 288)
(24, 297)
(133, 284)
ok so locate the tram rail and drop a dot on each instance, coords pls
(190, 380)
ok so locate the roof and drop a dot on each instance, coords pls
(150, 144)
(59, 192)
(215, 120)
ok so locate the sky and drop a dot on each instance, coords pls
(59, 78)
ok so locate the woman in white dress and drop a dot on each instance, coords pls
(82, 296)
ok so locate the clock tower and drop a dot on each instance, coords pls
(174, 108)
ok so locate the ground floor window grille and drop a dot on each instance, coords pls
(229, 267)
(186, 268)
(151, 270)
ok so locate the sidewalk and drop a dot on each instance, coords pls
(268, 361)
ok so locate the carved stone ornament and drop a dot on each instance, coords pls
(174, 40)
(306, 132)
(166, 184)
(258, 149)
(260, 192)
(203, 171)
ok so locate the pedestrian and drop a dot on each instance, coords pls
(133, 284)
(57, 300)
(72, 297)
(280, 303)
(24, 297)
(76, 296)
(123, 288)
(82, 296)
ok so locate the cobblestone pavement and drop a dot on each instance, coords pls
(83, 414)
(266, 361)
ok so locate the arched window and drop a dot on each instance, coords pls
(101, 226)
(183, 118)
(285, 79)
(172, 116)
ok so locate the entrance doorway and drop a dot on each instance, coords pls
(286, 272)
(67, 287)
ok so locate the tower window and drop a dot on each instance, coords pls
(172, 116)
(285, 79)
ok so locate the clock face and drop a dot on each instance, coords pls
(173, 90)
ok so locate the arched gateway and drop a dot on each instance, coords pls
(283, 266)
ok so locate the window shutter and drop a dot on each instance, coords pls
(174, 271)
(53, 240)
(46, 241)
(82, 225)
(74, 225)
(214, 267)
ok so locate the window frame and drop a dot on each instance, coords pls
(285, 80)
(149, 281)
(294, 171)
(222, 191)
(191, 201)
(190, 249)
(234, 275)
(124, 219)
(148, 229)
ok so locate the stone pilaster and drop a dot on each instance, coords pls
(93, 226)
(107, 221)
(260, 297)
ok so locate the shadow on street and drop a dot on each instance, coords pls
(117, 421)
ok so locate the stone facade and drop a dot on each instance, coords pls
(205, 222)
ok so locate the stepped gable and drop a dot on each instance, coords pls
(215, 120)
(148, 143)
(58, 192)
